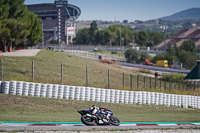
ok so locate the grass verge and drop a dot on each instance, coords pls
(34, 109)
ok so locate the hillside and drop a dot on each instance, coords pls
(48, 70)
(193, 14)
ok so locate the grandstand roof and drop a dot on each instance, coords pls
(180, 37)
(42, 7)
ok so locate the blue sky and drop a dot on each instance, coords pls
(127, 9)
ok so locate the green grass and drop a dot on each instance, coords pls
(48, 70)
(34, 109)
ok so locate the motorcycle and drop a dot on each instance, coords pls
(100, 118)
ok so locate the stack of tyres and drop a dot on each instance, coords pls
(103, 95)
(112, 96)
(121, 97)
(31, 89)
(72, 92)
(82, 94)
(49, 90)
(12, 87)
(19, 88)
(98, 95)
(43, 90)
(77, 93)
(87, 93)
(126, 97)
(92, 94)
(117, 95)
(55, 91)
(60, 91)
(25, 89)
(66, 92)
(37, 89)
(107, 96)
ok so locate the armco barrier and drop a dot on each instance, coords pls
(97, 94)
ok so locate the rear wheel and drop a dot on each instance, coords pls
(87, 120)
(114, 121)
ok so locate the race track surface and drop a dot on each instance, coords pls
(9, 126)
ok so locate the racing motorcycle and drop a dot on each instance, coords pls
(100, 118)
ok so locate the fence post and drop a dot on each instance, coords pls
(61, 73)
(155, 83)
(160, 85)
(195, 85)
(1, 69)
(86, 75)
(108, 79)
(170, 82)
(131, 80)
(137, 81)
(33, 65)
(123, 82)
(150, 82)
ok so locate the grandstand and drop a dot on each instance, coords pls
(56, 18)
(180, 37)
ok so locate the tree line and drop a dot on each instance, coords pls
(18, 26)
(117, 35)
(185, 54)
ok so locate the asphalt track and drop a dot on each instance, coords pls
(9, 126)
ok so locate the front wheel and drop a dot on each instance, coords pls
(88, 121)
(114, 121)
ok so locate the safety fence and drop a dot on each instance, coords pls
(98, 94)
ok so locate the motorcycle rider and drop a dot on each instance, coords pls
(96, 109)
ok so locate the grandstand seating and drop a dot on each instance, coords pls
(179, 38)
(49, 23)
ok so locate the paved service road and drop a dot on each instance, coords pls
(154, 68)
(57, 126)
(28, 52)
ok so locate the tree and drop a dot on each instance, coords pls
(82, 36)
(126, 33)
(155, 38)
(131, 55)
(92, 30)
(143, 56)
(158, 56)
(18, 25)
(141, 38)
(189, 46)
(188, 59)
(102, 37)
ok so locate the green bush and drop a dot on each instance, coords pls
(173, 77)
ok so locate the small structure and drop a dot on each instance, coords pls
(195, 73)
